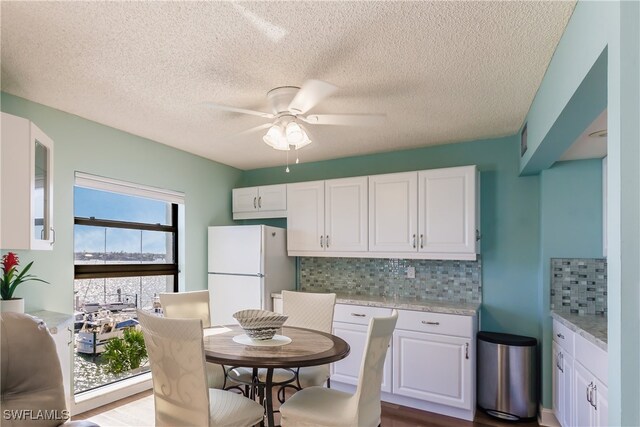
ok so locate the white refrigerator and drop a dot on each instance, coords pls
(246, 264)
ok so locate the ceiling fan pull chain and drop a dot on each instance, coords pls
(287, 169)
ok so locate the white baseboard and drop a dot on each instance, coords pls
(463, 414)
(93, 399)
(546, 417)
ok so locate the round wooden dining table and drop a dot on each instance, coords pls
(307, 348)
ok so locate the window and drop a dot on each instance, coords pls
(125, 254)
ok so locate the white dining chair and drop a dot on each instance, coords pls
(193, 305)
(310, 311)
(304, 310)
(187, 305)
(181, 395)
(319, 406)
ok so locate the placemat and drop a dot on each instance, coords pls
(273, 342)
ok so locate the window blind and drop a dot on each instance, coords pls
(115, 186)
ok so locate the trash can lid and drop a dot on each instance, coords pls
(507, 339)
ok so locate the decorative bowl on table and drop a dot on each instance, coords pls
(260, 324)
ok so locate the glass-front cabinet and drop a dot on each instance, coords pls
(43, 235)
(26, 186)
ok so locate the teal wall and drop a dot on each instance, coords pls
(83, 145)
(509, 217)
(584, 39)
(570, 227)
(612, 29)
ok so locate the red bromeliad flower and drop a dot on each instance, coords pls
(9, 261)
(11, 277)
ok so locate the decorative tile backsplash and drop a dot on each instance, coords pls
(579, 285)
(458, 281)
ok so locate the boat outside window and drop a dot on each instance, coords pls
(125, 254)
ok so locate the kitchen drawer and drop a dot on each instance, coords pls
(563, 336)
(593, 358)
(435, 323)
(358, 314)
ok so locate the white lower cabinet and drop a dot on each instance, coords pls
(591, 406)
(579, 380)
(63, 337)
(562, 384)
(432, 367)
(430, 364)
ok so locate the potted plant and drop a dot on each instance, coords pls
(10, 280)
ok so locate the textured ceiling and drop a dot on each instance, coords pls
(442, 71)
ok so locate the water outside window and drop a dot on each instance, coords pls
(124, 257)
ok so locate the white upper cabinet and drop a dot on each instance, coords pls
(428, 214)
(305, 218)
(447, 210)
(327, 216)
(269, 201)
(393, 213)
(346, 214)
(26, 186)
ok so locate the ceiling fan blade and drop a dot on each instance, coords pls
(239, 110)
(252, 130)
(309, 95)
(345, 119)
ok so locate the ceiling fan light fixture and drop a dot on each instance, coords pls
(305, 141)
(295, 134)
(275, 138)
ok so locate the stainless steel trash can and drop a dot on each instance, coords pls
(507, 375)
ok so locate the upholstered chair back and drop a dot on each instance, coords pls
(176, 355)
(309, 310)
(367, 397)
(31, 376)
(187, 305)
(193, 305)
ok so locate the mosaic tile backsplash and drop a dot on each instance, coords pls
(579, 285)
(456, 281)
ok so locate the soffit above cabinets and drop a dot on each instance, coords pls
(442, 72)
(590, 144)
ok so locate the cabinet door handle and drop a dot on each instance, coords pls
(561, 361)
(421, 241)
(260, 202)
(321, 241)
(594, 397)
(53, 235)
(327, 240)
(70, 335)
(466, 351)
(426, 322)
(478, 235)
(358, 315)
(255, 202)
(414, 241)
(559, 335)
(589, 392)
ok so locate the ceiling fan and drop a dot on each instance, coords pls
(289, 104)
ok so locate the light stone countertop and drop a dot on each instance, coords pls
(52, 319)
(591, 327)
(445, 307)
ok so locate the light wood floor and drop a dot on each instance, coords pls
(137, 411)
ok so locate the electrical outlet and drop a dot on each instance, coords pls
(411, 272)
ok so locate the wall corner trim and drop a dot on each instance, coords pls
(546, 417)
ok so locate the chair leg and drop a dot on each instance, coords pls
(328, 382)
